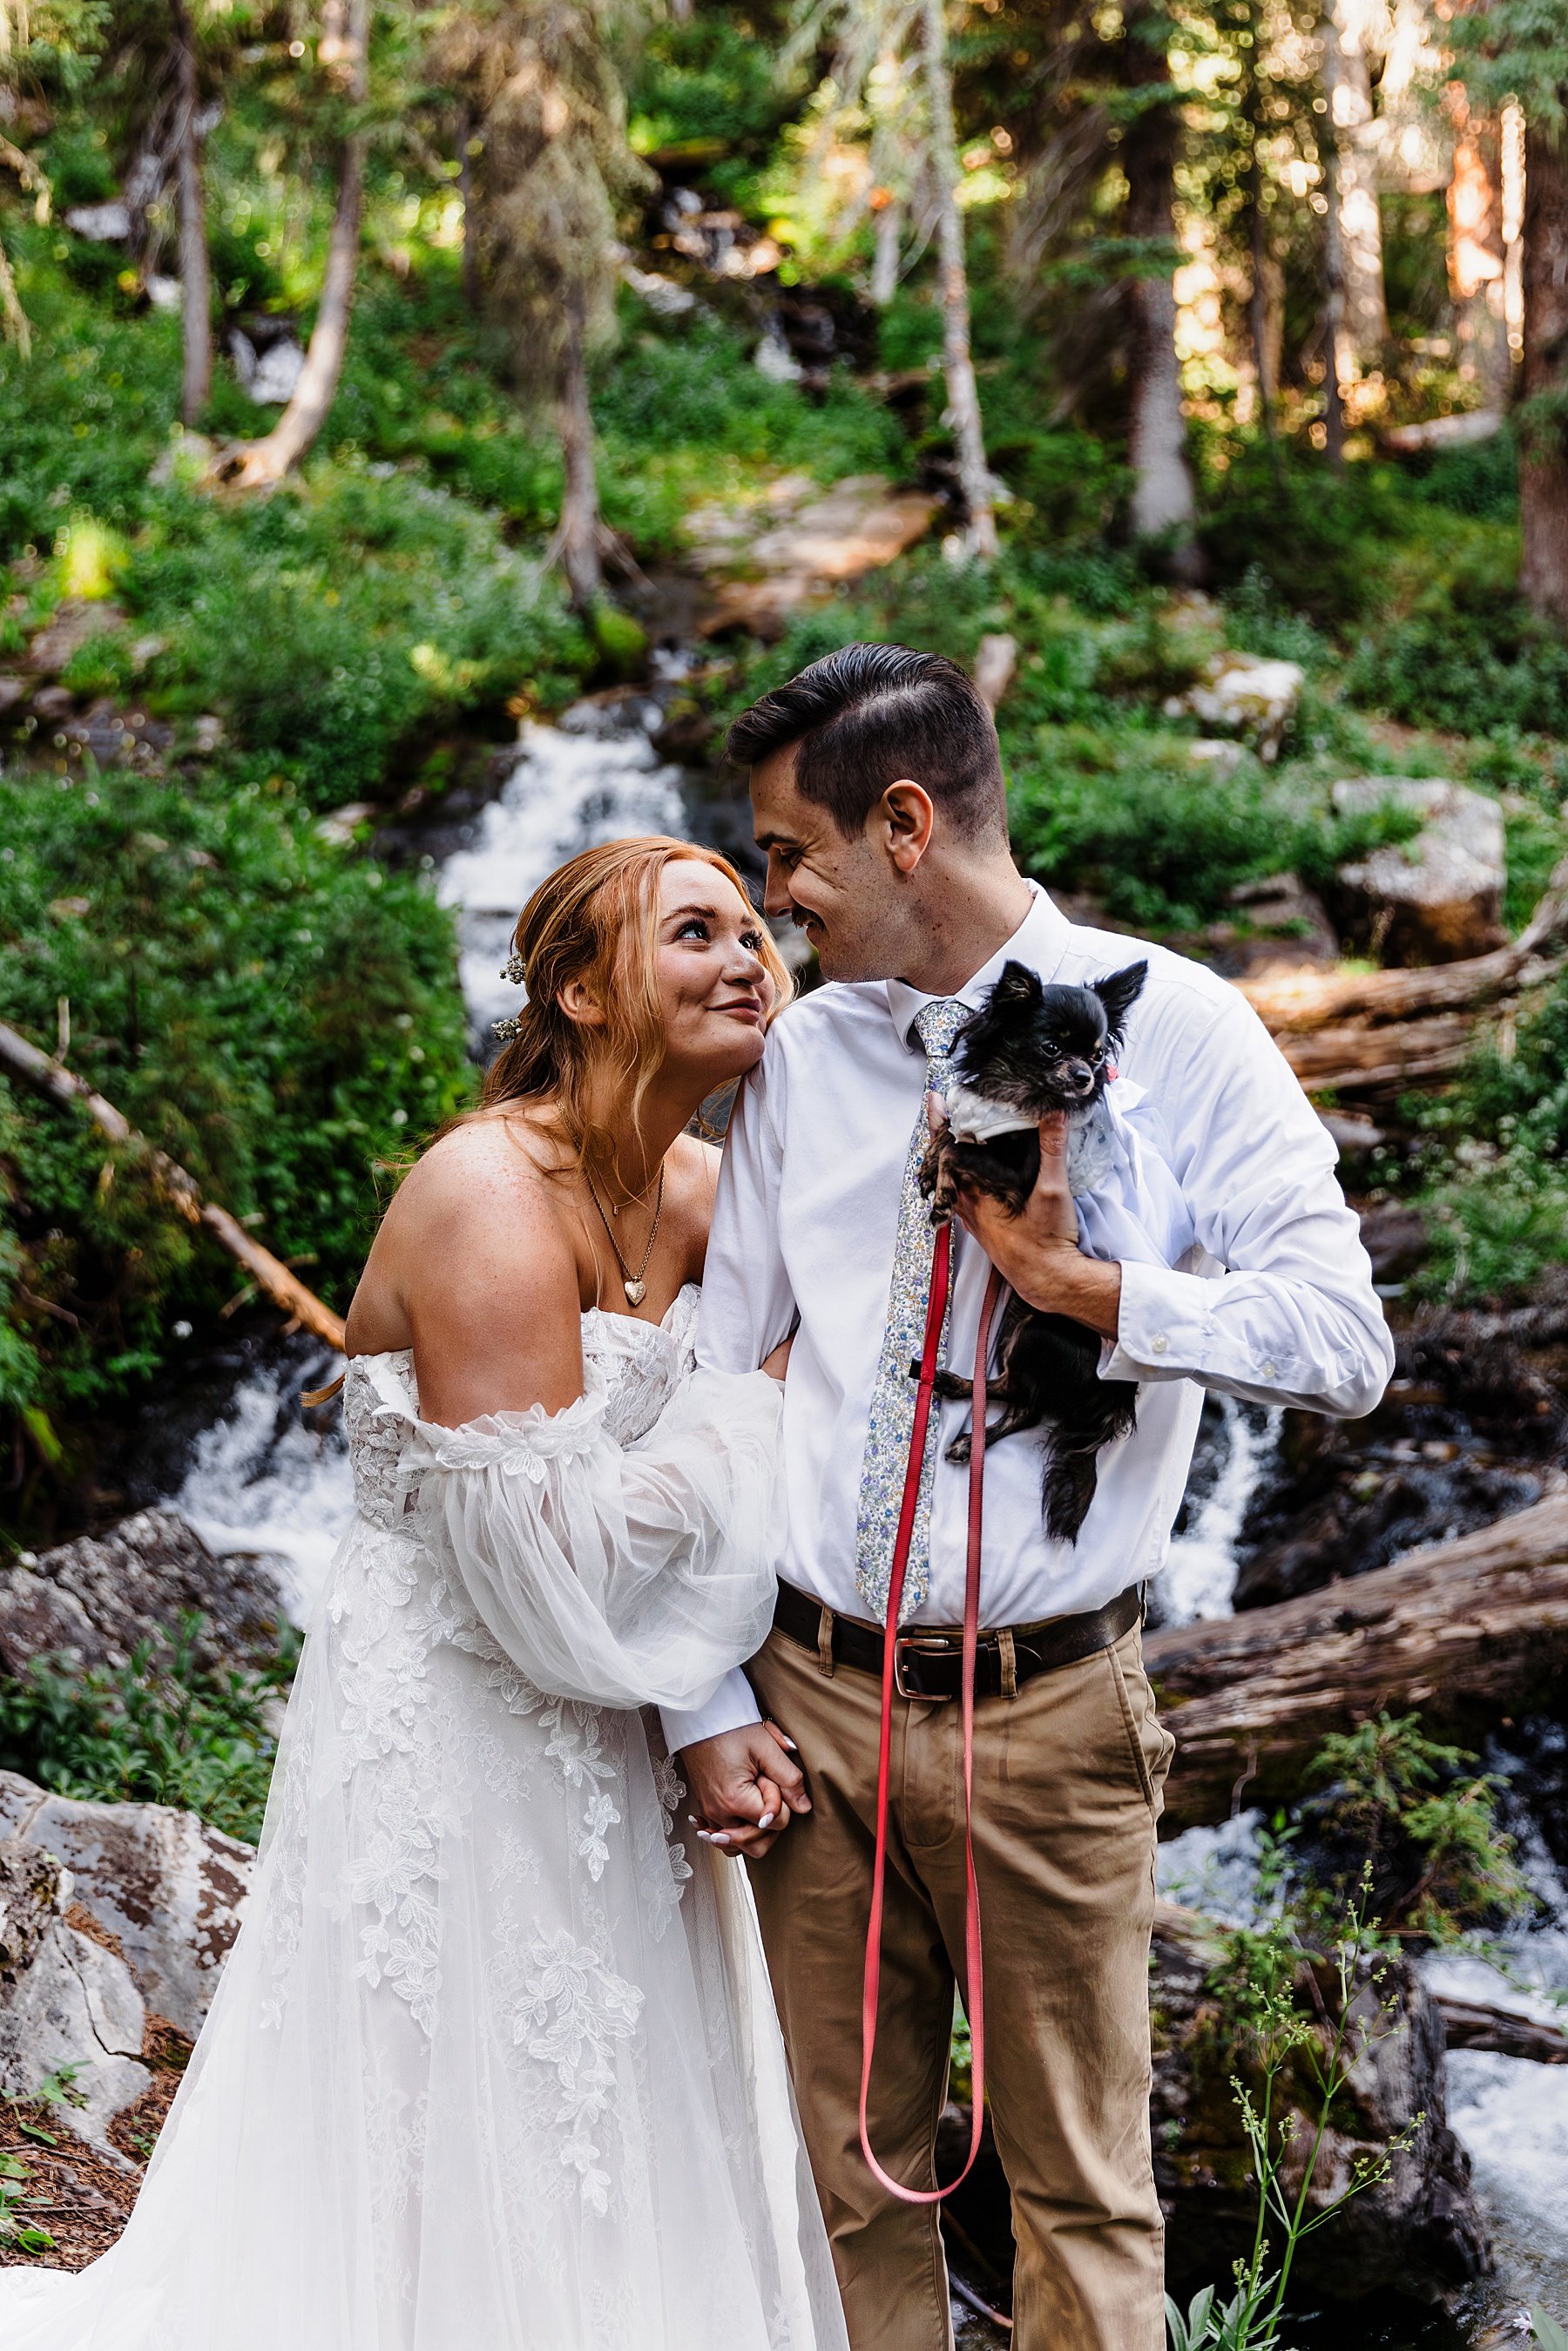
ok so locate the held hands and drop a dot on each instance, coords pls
(1037, 1253)
(743, 1788)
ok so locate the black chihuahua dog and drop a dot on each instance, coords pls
(1030, 1050)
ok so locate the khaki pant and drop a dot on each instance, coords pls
(1068, 1776)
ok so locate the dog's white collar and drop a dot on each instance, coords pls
(975, 1118)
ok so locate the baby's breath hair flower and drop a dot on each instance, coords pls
(516, 970)
(504, 1029)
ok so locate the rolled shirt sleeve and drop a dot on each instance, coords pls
(1292, 1316)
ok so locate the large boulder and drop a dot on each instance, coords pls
(1437, 897)
(163, 1887)
(69, 2006)
(102, 1594)
(1244, 695)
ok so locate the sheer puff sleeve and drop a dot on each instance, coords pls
(622, 1577)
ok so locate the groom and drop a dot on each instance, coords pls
(877, 792)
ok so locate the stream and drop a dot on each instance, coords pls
(242, 1467)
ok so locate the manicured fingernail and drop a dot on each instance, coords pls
(693, 1818)
(766, 1821)
(788, 1743)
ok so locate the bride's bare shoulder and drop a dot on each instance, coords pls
(491, 1166)
(480, 1216)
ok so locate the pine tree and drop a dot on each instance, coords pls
(551, 170)
(1165, 502)
(1519, 49)
(901, 46)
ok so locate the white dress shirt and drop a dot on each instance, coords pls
(1271, 1301)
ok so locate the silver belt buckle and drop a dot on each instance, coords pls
(927, 1644)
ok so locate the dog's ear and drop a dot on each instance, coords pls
(1118, 994)
(1018, 990)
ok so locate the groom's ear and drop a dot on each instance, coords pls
(902, 822)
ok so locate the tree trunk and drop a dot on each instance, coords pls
(1261, 308)
(963, 395)
(261, 462)
(577, 539)
(888, 230)
(1477, 257)
(471, 289)
(1164, 504)
(1449, 1632)
(16, 328)
(1543, 474)
(196, 305)
(1333, 301)
(1347, 84)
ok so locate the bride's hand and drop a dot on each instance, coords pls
(743, 1788)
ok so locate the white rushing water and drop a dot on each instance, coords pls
(593, 778)
(1200, 1575)
(260, 1481)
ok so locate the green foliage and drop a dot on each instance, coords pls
(332, 624)
(161, 1728)
(16, 2229)
(1307, 2037)
(1548, 2332)
(1497, 1205)
(708, 90)
(1481, 480)
(1471, 657)
(280, 1017)
(1426, 1823)
(1312, 534)
(1160, 840)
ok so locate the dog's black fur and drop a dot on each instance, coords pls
(1039, 1050)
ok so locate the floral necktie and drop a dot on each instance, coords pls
(891, 1424)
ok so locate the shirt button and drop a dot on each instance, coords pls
(1159, 1342)
(1271, 1371)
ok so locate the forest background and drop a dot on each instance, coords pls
(1146, 295)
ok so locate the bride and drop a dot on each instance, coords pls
(494, 2063)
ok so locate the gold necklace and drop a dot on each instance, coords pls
(634, 1286)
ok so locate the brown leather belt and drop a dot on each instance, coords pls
(928, 1659)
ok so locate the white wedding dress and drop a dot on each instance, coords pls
(493, 2066)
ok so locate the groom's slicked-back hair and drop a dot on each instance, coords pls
(868, 716)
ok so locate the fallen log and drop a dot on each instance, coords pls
(1296, 1003)
(1451, 1632)
(18, 1058)
(1477, 2025)
(1378, 1060)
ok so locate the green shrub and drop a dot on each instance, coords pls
(1319, 539)
(1496, 1207)
(1481, 480)
(280, 1017)
(160, 1729)
(1472, 658)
